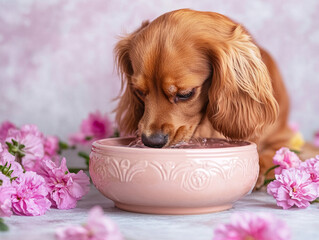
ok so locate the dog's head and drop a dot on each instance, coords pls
(187, 65)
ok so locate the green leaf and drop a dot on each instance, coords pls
(10, 147)
(76, 170)
(12, 179)
(270, 169)
(3, 226)
(116, 133)
(63, 145)
(295, 151)
(5, 170)
(16, 149)
(9, 144)
(268, 180)
(88, 138)
(15, 143)
(85, 156)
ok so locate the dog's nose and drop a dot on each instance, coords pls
(157, 140)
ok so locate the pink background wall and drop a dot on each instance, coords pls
(56, 62)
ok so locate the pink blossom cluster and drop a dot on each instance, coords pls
(32, 176)
(296, 183)
(96, 126)
(97, 227)
(262, 226)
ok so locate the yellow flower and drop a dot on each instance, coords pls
(296, 142)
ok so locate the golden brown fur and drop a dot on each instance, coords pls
(236, 89)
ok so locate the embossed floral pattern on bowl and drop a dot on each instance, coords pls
(172, 181)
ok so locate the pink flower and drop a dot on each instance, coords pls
(93, 128)
(9, 159)
(5, 196)
(73, 233)
(4, 128)
(32, 139)
(294, 127)
(293, 187)
(51, 146)
(4, 180)
(98, 227)
(32, 129)
(285, 159)
(13, 165)
(251, 226)
(30, 198)
(311, 166)
(5, 201)
(101, 226)
(5, 156)
(65, 188)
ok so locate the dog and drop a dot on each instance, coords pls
(199, 74)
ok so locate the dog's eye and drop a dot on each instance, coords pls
(139, 93)
(183, 97)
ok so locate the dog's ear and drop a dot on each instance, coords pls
(241, 99)
(129, 109)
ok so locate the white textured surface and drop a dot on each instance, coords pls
(303, 223)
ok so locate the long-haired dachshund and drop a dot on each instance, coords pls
(199, 74)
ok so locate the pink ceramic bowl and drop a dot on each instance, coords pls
(172, 181)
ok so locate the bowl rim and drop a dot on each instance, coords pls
(98, 145)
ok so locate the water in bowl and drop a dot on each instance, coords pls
(197, 143)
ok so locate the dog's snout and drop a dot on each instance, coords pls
(157, 140)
